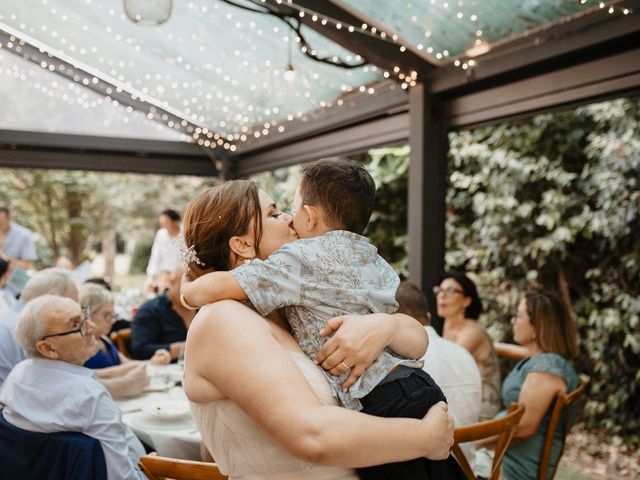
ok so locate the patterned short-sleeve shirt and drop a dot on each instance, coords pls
(315, 279)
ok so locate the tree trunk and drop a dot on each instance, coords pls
(108, 240)
(77, 231)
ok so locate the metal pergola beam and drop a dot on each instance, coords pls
(83, 152)
(427, 191)
(562, 44)
(380, 52)
(345, 141)
(603, 64)
(42, 55)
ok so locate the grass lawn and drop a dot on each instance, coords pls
(568, 473)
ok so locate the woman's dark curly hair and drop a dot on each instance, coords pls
(469, 289)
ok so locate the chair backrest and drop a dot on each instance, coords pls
(509, 350)
(158, 468)
(49, 456)
(503, 427)
(121, 338)
(561, 403)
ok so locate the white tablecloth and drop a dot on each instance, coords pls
(170, 437)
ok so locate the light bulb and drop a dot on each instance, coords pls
(290, 74)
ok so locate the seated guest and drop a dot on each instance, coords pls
(121, 376)
(460, 306)
(53, 392)
(100, 302)
(53, 281)
(450, 365)
(161, 323)
(544, 326)
(7, 299)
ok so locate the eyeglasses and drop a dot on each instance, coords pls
(447, 292)
(82, 326)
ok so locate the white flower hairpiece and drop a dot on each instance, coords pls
(187, 254)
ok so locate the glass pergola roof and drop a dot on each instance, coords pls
(222, 67)
(448, 28)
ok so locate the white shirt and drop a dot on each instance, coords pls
(456, 372)
(19, 243)
(11, 353)
(165, 255)
(42, 395)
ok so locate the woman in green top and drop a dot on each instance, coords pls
(546, 329)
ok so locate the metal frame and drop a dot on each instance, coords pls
(591, 57)
(82, 152)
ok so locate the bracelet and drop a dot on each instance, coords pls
(186, 305)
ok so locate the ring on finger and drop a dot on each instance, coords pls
(346, 367)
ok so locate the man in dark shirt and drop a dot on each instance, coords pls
(161, 322)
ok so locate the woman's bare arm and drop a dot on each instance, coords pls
(227, 346)
(357, 340)
(536, 395)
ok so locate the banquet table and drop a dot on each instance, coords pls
(173, 436)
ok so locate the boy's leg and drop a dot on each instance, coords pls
(411, 396)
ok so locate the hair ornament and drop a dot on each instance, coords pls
(187, 254)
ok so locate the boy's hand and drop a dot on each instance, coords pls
(356, 342)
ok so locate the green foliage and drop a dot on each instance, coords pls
(387, 228)
(70, 210)
(552, 201)
(140, 257)
(555, 201)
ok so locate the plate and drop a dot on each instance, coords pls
(167, 410)
(144, 421)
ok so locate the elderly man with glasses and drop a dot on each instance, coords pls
(53, 392)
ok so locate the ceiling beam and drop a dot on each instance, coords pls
(82, 152)
(592, 35)
(383, 53)
(56, 62)
(388, 99)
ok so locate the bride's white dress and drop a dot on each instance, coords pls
(244, 451)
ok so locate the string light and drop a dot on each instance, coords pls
(183, 86)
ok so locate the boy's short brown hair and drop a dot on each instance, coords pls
(342, 188)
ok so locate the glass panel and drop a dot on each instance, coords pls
(34, 99)
(220, 65)
(447, 28)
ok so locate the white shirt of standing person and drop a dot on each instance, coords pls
(165, 255)
(456, 373)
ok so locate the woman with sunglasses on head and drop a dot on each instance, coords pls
(460, 306)
(121, 376)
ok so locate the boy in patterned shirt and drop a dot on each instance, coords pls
(333, 271)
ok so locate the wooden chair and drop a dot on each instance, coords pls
(503, 427)
(160, 468)
(120, 338)
(561, 403)
(509, 350)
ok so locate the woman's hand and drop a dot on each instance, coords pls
(160, 357)
(137, 379)
(441, 428)
(356, 342)
(359, 339)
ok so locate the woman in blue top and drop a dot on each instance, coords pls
(546, 329)
(121, 376)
